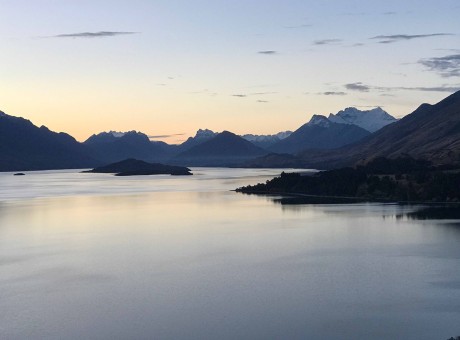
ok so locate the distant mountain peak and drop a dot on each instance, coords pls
(205, 133)
(226, 133)
(370, 120)
(319, 133)
(226, 148)
(265, 141)
(431, 132)
(117, 134)
(2, 114)
(319, 120)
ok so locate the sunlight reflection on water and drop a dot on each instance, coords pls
(97, 256)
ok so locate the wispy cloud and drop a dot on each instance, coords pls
(167, 136)
(269, 52)
(333, 93)
(448, 66)
(355, 13)
(261, 93)
(243, 95)
(204, 92)
(366, 88)
(327, 42)
(262, 101)
(100, 34)
(450, 89)
(389, 39)
(357, 87)
(389, 13)
(298, 26)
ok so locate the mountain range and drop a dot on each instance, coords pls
(224, 149)
(24, 146)
(320, 132)
(431, 132)
(348, 137)
(113, 146)
(370, 120)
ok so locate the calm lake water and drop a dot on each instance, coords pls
(94, 256)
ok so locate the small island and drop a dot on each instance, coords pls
(382, 180)
(134, 167)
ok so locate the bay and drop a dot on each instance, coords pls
(98, 256)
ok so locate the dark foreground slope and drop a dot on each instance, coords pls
(24, 146)
(133, 167)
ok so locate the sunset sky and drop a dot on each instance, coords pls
(168, 68)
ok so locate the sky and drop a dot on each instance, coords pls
(170, 67)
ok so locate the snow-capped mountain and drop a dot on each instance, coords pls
(319, 133)
(265, 141)
(319, 120)
(370, 120)
(117, 134)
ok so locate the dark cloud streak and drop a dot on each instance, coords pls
(167, 136)
(357, 87)
(333, 93)
(366, 88)
(298, 26)
(241, 95)
(327, 42)
(448, 66)
(101, 34)
(389, 39)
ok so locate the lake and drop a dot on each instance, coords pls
(96, 256)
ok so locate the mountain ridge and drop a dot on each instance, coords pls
(320, 133)
(370, 120)
(431, 132)
(224, 149)
(24, 146)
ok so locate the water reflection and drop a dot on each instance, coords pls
(436, 213)
(398, 211)
(189, 259)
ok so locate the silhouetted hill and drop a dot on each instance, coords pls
(319, 133)
(431, 132)
(225, 149)
(134, 167)
(115, 146)
(24, 146)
